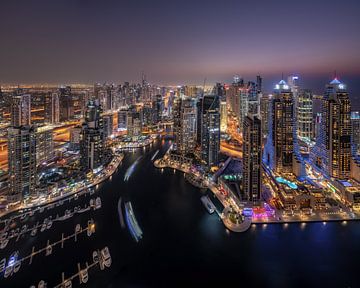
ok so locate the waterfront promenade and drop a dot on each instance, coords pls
(72, 192)
(280, 215)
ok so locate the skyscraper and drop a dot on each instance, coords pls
(264, 114)
(44, 144)
(252, 154)
(210, 130)
(21, 110)
(304, 115)
(91, 144)
(22, 162)
(223, 116)
(185, 136)
(66, 109)
(134, 123)
(332, 152)
(280, 143)
(52, 108)
(108, 126)
(355, 133)
(122, 119)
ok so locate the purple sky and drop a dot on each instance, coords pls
(178, 41)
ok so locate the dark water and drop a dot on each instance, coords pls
(184, 246)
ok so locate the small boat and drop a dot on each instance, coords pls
(2, 265)
(3, 236)
(8, 271)
(105, 255)
(48, 250)
(98, 203)
(68, 284)
(33, 232)
(49, 224)
(84, 276)
(17, 266)
(23, 229)
(43, 227)
(4, 243)
(95, 256)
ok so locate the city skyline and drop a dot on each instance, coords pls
(179, 143)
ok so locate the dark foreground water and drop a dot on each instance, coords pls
(183, 245)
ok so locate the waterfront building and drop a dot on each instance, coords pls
(92, 139)
(21, 163)
(134, 123)
(304, 115)
(185, 125)
(252, 155)
(210, 130)
(355, 133)
(44, 144)
(332, 152)
(280, 144)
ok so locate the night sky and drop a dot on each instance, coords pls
(176, 42)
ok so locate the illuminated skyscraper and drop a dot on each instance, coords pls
(264, 114)
(122, 119)
(187, 134)
(210, 130)
(21, 110)
(252, 154)
(108, 126)
(355, 133)
(332, 152)
(223, 116)
(92, 144)
(134, 123)
(66, 109)
(44, 144)
(304, 115)
(22, 162)
(52, 108)
(280, 143)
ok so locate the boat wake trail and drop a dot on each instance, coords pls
(131, 169)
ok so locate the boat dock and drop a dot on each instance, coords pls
(6, 236)
(13, 265)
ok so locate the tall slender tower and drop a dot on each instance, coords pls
(210, 130)
(280, 143)
(20, 110)
(92, 144)
(304, 115)
(252, 158)
(22, 162)
(332, 152)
